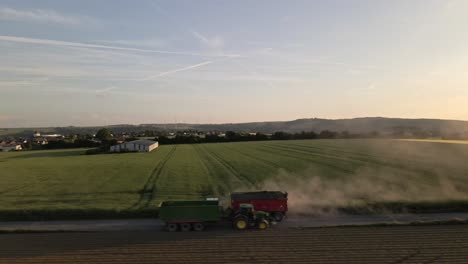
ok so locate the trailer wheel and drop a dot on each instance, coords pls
(262, 225)
(240, 223)
(172, 227)
(278, 216)
(198, 227)
(184, 227)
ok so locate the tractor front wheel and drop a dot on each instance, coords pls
(262, 225)
(240, 223)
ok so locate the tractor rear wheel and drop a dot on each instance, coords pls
(172, 227)
(185, 227)
(240, 223)
(198, 227)
(278, 216)
(262, 225)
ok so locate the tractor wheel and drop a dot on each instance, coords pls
(262, 225)
(278, 216)
(198, 227)
(172, 227)
(185, 227)
(240, 223)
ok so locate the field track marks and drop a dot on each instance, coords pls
(269, 163)
(225, 178)
(306, 157)
(231, 169)
(374, 161)
(147, 193)
(313, 152)
(203, 156)
(327, 150)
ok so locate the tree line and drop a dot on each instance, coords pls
(231, 136)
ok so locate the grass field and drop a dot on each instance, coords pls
(316, 173)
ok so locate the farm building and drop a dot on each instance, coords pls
(136, 145)
(8, 146)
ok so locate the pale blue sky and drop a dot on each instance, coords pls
(112, 62)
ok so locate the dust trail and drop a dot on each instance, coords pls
(312, 194)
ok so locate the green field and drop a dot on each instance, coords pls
(316, 173)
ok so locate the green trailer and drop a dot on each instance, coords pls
(188, 215)
(194, 215)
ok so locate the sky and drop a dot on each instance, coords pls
(88, 62)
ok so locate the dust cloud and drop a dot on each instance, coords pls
(310, 194)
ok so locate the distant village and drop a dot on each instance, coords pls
(106, 141)
(118, 142)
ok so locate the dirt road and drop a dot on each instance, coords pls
(395, 244)
(293, 221)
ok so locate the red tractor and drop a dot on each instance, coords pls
(275, 203)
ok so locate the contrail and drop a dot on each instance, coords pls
(176, 70)
(94, 46)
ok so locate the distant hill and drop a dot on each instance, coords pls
(354, 125)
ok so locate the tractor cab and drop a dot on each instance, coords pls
(247, 217)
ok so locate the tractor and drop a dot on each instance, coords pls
(247, 217)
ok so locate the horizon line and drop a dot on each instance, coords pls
(234, 123)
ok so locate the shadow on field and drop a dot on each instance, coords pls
(49, 154)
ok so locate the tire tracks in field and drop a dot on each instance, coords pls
(252, 157)
(147, 193)
(325, 164)
(212, 173)
(312, 151)
(356, 157)
(231, 169)
(357, 160)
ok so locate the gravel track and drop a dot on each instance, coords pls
(292, 221)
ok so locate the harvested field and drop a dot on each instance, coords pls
(401, 244)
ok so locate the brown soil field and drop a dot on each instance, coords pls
(390, 244)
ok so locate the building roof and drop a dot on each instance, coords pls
(143, 142)
(8, 144)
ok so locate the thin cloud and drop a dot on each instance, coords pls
(176, 70)
(94, 46)
(42, 16)
(215, 42)
(25, 82)
(151, 43)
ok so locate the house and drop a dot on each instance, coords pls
(4, 146)
(142, 145)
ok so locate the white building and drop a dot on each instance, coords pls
(10, 146)
(136, 145)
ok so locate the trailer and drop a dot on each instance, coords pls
(195, 215)
(273, 202)
(189, 215)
